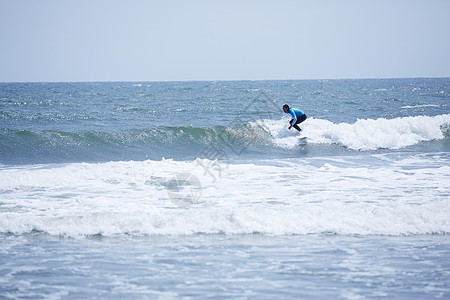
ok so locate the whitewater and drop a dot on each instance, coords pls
(406, 194)
(198, 189)
(364, 134)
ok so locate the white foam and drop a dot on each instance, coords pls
(277, 197)
(421, 106)
(366, 134)
(278, 129)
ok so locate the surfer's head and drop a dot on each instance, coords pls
(286, 108)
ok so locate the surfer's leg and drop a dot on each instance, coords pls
(296, 127)
(299, 120)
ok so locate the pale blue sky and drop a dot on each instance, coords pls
(56, 40)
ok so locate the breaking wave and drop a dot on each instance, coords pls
(262, 136)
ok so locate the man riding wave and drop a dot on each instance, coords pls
(298, 116)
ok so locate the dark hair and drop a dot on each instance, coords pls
(286, 106)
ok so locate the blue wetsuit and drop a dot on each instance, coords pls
(297, 117)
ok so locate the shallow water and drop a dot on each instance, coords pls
(224, 266)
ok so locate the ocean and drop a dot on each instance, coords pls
(187, 190)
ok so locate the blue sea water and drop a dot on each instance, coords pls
(198, 189)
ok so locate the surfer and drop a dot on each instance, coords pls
(297, 116)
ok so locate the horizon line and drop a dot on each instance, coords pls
(230, 80)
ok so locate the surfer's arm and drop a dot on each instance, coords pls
(294, 117)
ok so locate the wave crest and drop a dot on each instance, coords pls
(364, 134)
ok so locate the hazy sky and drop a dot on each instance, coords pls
(222, 40)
